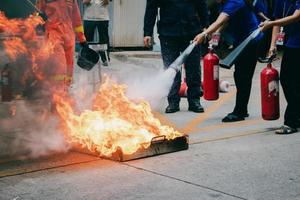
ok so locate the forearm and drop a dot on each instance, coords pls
(287, 20)
(275, 32)
(150, 17)
(222, 19)
(262, 16)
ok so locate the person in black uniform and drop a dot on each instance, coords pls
(178, 23)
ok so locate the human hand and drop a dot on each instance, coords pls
(200, 38)
(105, 2)
(272, 51)
(147, 41)
(84, 44)
(265, 25)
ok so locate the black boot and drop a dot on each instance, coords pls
(172, 108)
(195, 106)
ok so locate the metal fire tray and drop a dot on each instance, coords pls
(159, 145)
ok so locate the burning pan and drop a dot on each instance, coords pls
(159, 145)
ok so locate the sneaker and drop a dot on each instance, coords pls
(285, 130)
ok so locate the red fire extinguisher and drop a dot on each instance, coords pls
(211, 75)
(183, 87)
(6, 85)
(270, 91)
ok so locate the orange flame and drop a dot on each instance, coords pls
(114, 123)
(20, 38)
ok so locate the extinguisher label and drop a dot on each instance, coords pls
(274, 87)
(216, 72)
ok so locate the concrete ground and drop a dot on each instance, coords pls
(242, 160)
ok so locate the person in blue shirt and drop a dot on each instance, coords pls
(178, 23)
(287, 14)
(242, 21)
(261, 8)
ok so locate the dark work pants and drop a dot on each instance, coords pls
(170, 50)
(102, 27)
(243, 74)
(290, 81)
(264, 44)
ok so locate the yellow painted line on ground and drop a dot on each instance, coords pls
(164, 120)
(202, 117)
(228, 125)
(234, 135)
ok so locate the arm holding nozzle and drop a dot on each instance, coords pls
(222, 19)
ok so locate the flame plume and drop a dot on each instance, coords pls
(115, 122)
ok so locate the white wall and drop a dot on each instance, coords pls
(127, 20)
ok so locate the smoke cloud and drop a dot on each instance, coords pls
(146, 81)
(34, 131)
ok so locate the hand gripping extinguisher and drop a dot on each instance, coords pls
(211, 75)
(269, 90)
(6, 84)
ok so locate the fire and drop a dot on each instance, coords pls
(20, 38)
(114, 123)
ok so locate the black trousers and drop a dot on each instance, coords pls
(243, 74)
(290, 81)
(102, 27)
(170, 50)
(264, 44)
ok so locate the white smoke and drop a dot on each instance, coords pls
(35, 130)
(153, 88)
(145, 82)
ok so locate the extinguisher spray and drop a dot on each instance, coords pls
(6, 83)
(211, 75)
(270, 91)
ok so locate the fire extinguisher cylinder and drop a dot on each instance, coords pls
(211, 76)
(270, 93)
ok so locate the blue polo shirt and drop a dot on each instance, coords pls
(242, 20)
(284, 8)
(261, 6)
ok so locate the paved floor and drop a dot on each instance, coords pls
(243, 160)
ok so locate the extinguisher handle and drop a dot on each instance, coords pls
(269, 59)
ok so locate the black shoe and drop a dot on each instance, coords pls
(232, 117)
(196, 107)
(172, 108)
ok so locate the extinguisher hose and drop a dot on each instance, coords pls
(176, 65)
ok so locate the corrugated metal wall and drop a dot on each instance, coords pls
(126, 24)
